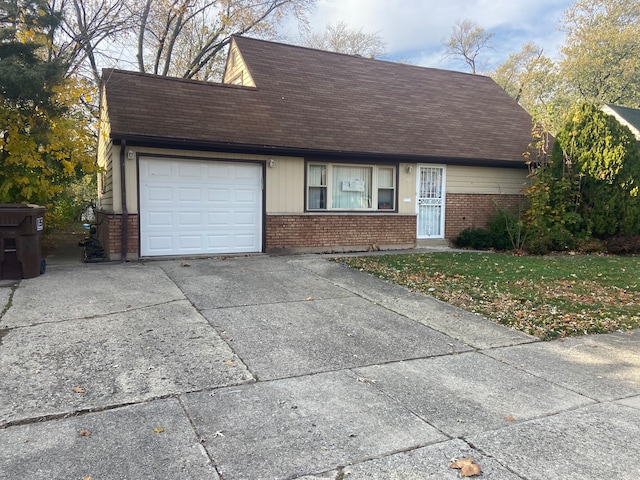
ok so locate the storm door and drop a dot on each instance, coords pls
(431, 202)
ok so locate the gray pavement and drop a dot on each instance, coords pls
(263, 367)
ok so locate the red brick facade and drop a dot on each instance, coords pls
(110, 235)
(326, 233)
(474, 210)
(339, 232)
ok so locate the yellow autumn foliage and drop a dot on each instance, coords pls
(42, 153)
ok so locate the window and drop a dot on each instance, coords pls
(350, 187)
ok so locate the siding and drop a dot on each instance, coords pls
(407, 189)
(285, 186)
(105, 149)
(237, 72)
(485, 180)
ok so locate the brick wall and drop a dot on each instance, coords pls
(110, 235)
(339, 232)
(474, 210)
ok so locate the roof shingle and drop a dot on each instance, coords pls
(326, 102)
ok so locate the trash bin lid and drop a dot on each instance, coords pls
(13, 214)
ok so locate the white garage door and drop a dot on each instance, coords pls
(190, 207)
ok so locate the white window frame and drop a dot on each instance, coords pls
(328, 187)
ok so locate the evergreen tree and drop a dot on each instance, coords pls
(44, 136)
(600, 159)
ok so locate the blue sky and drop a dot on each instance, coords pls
(413, 30)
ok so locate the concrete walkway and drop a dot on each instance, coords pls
(294, 368)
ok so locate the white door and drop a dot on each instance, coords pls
(190, 207)
(431, 202)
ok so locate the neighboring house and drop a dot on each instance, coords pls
(626, 116)
(300, 150)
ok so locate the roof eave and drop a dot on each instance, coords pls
(133, 140)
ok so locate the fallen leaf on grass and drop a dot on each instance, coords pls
(158, 430)
(84, 433)
(78, 389)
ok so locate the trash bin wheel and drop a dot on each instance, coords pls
(43, 266)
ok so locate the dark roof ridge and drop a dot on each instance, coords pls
(356, 57)
(171, 79)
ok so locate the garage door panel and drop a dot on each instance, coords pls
(160, 242)
(199, 207)
(159, 170)
(244, 219)
(160, 219)
(190, 242)
(245, 240)
(218, 170)
(159, 194)
(245, 172)
(220, 219)
(218, 195)
(217, 242)
(189, 194)
(189, 219)
(189, 169)
(245, 196)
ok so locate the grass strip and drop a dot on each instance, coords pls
(548, 297)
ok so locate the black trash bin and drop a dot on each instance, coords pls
(21, 241)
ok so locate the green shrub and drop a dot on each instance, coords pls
(553, 239)
(477, 238)
(505, 231)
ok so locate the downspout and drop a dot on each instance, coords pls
(123, 193)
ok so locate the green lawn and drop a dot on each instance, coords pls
(548, 297)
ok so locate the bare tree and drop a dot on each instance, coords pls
(86, 28)
(340, 38)
(182, 38)
(466, 42)
(185, 37)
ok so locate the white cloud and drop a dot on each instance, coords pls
(414, 30)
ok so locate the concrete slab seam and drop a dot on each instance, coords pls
(84, 411)
(75, 413)
(101, 315)
(276, 302)
(488, 455)
(201, 439)
(9, 303)
(399, 403)
(223, 337)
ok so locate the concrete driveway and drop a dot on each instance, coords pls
(265, 367)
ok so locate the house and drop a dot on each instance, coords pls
(626, 116)
(300, 150)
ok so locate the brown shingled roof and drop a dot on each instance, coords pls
(325, 102)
